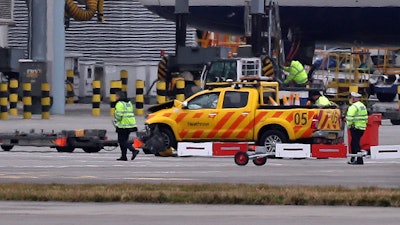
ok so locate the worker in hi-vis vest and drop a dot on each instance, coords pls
(356, 120)
(297, 74)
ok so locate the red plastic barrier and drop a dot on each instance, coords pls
(371, 134)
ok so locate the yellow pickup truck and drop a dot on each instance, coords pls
(244, 111)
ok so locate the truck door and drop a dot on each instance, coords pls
(235, 117)
(197, 121)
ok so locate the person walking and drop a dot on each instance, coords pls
(297, 74)
(125, 123)
(356, 120)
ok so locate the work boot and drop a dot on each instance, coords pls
(134, 154)
(352, 161)
(360, 161)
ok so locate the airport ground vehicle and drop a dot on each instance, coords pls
(245, 111)
(386, 77)
(90, 140)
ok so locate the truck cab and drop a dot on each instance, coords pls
(236, 69)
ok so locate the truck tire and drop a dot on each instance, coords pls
(169, 137)
(269, 139)
(386, 97)
(7, 147)
(65, 149)
(395, 122)
(91, 149)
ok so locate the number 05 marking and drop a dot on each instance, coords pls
(300, 118)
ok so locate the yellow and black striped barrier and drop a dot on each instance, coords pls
(139, 97)
(115, 86)
(96, 98)
(3, 101)
(161, 91)
(124, 80)
(45, 101)
(70, 87)
(180, 89)
(27, 100)
(13, 98)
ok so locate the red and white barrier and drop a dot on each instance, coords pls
(328, 151)
(292, 150)
(195, 149)
(385, 152)
(228, 148)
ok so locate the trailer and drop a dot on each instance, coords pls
(90, 140)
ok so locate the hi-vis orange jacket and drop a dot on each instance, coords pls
(239, 114)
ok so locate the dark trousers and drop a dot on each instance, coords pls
(356, 135)
(123, 137)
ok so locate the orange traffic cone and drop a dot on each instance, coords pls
(272, 101)
(285, 100)
(137, 143)
(297, 99)
(291, 98)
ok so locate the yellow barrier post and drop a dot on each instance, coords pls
(124, 80)
(96, 98)
(27, 100)
(70, 86)
(45, 101)
(13, 98)
(115, 86)
(180, 89)
(161, 92)
(139, 97)
(3, 101)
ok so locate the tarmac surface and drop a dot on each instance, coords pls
(46, 165)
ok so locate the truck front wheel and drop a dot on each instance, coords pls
(270, 138)
(169, 138)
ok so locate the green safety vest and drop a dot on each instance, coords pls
(322, 101)
(357, 116)
(297, 73)
(124, 116)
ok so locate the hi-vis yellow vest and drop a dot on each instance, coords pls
(124, 116)
(357, 116)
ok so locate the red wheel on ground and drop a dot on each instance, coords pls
(260, 161)
(241, 158)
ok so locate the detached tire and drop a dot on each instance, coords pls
(7, 147)
(241, 158)
(270, 138)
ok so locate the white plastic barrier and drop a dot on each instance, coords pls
(195, 149)
(293, 150)
(385, 152)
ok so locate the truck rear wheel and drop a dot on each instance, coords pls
(269, 139)
(395, 122)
